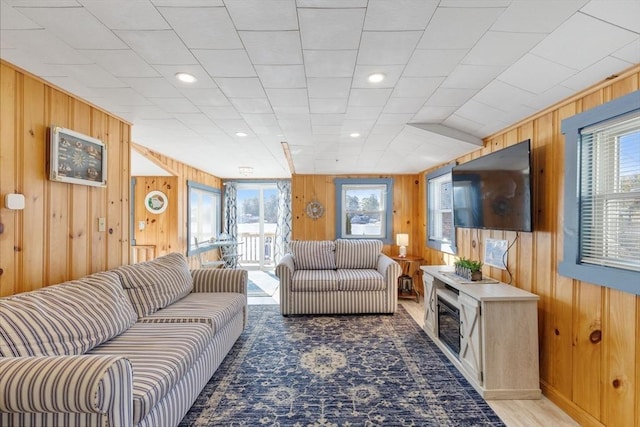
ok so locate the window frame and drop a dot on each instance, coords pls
(571, 266)
(388, 213)
(440, 245)
(217, 195)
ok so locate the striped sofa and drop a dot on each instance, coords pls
(337, 277)
(133, 346)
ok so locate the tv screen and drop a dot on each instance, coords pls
(494, 191)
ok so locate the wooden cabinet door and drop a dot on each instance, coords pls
(430, 314)
(470, 336)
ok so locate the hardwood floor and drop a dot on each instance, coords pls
(514, 413)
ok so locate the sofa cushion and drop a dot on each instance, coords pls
(155, 284)
(66, 319)
(216, 309)
(360, 253)
(360, 280)
(160, 354)
(313, 254)
(314, 281)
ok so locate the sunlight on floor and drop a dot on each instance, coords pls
(268, 282)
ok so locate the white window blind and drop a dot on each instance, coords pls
(610, 194)
(440, 212)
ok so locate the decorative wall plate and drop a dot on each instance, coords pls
(156, 202)
(314, 209)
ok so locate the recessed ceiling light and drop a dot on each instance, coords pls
(241, 134)
(376, 77)
(354, 135)
(185, 77)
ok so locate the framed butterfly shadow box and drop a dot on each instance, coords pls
(76, 158)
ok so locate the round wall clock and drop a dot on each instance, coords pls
(156, 202)
(314, 209)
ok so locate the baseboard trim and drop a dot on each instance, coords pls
(574, 411)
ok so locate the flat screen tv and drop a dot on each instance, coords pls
(494, 191)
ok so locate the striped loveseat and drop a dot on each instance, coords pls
(133, 346)
(337, 277)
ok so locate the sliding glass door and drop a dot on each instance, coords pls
(257, 213)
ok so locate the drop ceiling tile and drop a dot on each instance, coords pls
(221, 113)
(87, 75)
(43, 45)
(85, 33)
(252, 105)
(281, 76)
(327, 119)
(363, 113)
(258, 15)
(193, 119)
(361, 125)
(72, 85)
(327, 105)
(203, 27)
(121, 63)
(149, 112)
(391, 72)
(467, 125)
(122, 96)
(444, 97)
(394, 119)
(471, 76)
(529, 17)
(288, 97)
(151, 87)
(433, 63)
(331, 28)
(535, 74)
(12, 19)
(326, 130)
(264, 120)
(204, 81)
(499, 48)
(208, 131)
(241, 87)
(387, 47)
(399, 15)
(188, 3)
(232, 126)
(548, 98)
(273, 47)
(582, 41)
(158, 47)
(623, 14)
(329, 63)
(369, 97)
(116, 14)
(503, 96)
(175, 105)
(209, 97)
(458, 28)
(597, 72)
(286, 110)
(404, 105)
(225, 63)
(432, 114)
(331, 4)
(630, 52)
(421, 87)
(329, 87)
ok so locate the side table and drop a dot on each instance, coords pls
(406, 290)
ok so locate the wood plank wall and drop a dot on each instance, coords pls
(168, 231)
(589, 335)
(56, 238)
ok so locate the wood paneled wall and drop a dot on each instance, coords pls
(56, 238)
(589, 335)
(167, 231)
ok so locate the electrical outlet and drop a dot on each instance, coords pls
(102, 224)
(141, 225)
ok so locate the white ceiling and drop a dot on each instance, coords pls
(296, 71)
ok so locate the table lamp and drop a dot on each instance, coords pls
(402, 240)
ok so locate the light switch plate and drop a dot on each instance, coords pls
(14, 201)
(102, 224)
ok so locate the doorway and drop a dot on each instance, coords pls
(256, 217)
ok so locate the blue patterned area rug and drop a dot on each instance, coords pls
(337, 371)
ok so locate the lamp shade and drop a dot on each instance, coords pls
(402, 239)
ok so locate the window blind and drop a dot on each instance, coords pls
(610, 193)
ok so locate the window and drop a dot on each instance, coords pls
(441, 234)
(602, 194)
(204, 211)
(363, 208)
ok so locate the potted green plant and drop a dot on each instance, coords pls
(469, 269)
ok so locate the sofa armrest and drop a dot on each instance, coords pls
(390, 270)
(220, 280)
(285, 267)
(82, 384)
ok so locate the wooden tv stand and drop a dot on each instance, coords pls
(498, 333)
